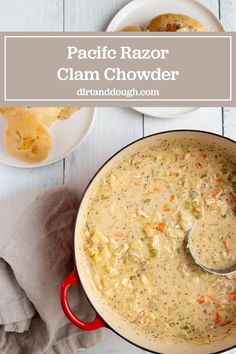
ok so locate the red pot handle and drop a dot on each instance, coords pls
(68, 282)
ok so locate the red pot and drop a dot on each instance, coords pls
(106, 316)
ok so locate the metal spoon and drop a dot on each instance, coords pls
(226, 271)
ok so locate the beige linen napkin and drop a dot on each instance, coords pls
(36, 255)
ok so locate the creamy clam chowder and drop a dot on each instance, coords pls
(136, 240)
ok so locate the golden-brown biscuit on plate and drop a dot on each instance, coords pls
(27, 139)
(131, 28)
(172, 22)
(45, 115)
(10, 112)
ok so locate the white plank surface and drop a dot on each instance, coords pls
(230, 123)
(113, 127)
(90, 15)
(30, 15)
(209, 119)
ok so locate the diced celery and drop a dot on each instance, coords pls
(156, 217)
(193, 194)
(153, 253)
(131, 300)
(187, 204)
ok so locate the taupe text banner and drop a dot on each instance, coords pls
(118, 69)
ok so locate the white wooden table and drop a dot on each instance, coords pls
(114, 127)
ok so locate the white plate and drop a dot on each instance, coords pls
(165, 112)
(66, 137)
(141, 11)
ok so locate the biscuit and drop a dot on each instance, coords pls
(45, 115)
(10, 112)
(175, 23)
(27, 139)
(131, 28)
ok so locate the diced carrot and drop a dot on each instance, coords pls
(204, 299)
(156, 189)
(172, 197)
(166, 209)
(198, 166)
(103, 283)
(232, 296)
(178, 293)
(218, 318)
(210, 298)
(204, 156)
(177, 173)
(162, 227)
(137, 184)
(216, 192)
(227, 322)
(218, 181)
(119, 234)
(196, 208)
(201, 300)
(226, 245)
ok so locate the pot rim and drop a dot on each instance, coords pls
(82, 198)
